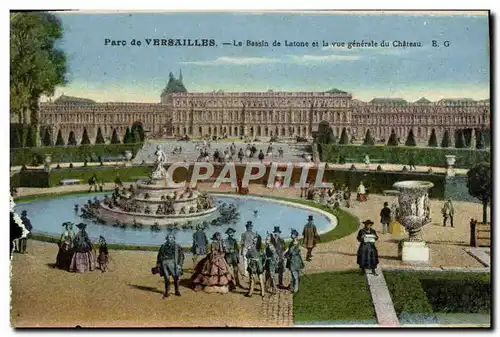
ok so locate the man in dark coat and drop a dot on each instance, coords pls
(310, 237)
(385, 217)
(170, 260)
(367, 256)
(279, 245)
(232, 254)
(255, 268)
(23, 242)
(200, 243)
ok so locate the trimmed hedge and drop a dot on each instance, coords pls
(375, 181)
(427, 292)
(70, 154)
(424, 156)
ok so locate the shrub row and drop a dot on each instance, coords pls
(374, 181)
(69, 154)
(425, 156)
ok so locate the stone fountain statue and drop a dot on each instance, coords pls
(159, 172)
(413, 215)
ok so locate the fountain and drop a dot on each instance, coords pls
(154, 202)
(413, 215)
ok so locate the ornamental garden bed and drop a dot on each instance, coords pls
(434, 297)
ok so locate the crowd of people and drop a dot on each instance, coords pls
(263, 261)
(76, 251)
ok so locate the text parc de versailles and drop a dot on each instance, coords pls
(262, 43)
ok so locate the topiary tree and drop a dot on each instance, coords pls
(114, 138)
(126, 137)
(479, 139)
(433, 142)
(324, 134)
(368, 138)
(410, 140)
(99, 139)
(393, 139)
(85, 138)
(344, 138)
(479, 185)
(446, 141)
(139, 129)
(59, 140)
(47, 139)
(459, 140)
(72, 139)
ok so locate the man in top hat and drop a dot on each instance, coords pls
(367, 256)
(246, 242)
(310, 236)
(232, 257)
(200, 242)
(385, 217)
(294, 261)
(170, 260)
(23, 242)
(279, 246)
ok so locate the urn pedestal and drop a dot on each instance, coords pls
(414, 213)
(450, 161)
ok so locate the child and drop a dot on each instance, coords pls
(103, 254)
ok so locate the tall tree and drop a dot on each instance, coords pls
(393, 139)
(446, 141)
(99, 139)
(30, 137)
(479, 185)
(37, 66)
(368, 138)
(433, 142)
(344, 138)
(459, 139)
(59, 140)
(47, 139)
(126, 137)
(137, 127)
(85, 138)
(114, 138)
(410, 140)
(72, 139)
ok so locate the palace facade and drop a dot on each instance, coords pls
(264, 114)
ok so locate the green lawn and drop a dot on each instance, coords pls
(333, 296)
(428, 292)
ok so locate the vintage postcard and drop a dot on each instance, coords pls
(250, 169)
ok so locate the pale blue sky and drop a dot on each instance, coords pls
(106, 73)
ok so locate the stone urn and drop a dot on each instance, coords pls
(128, 156)
(413, 215)
(450, 161)
(47, 161)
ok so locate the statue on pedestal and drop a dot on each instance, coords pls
(161, 159)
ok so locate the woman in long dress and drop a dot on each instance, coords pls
(212, 273)
(64, 255)
(361, 192)
(367, 256)
(83, 259)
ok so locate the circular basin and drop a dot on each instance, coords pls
(48, 215)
